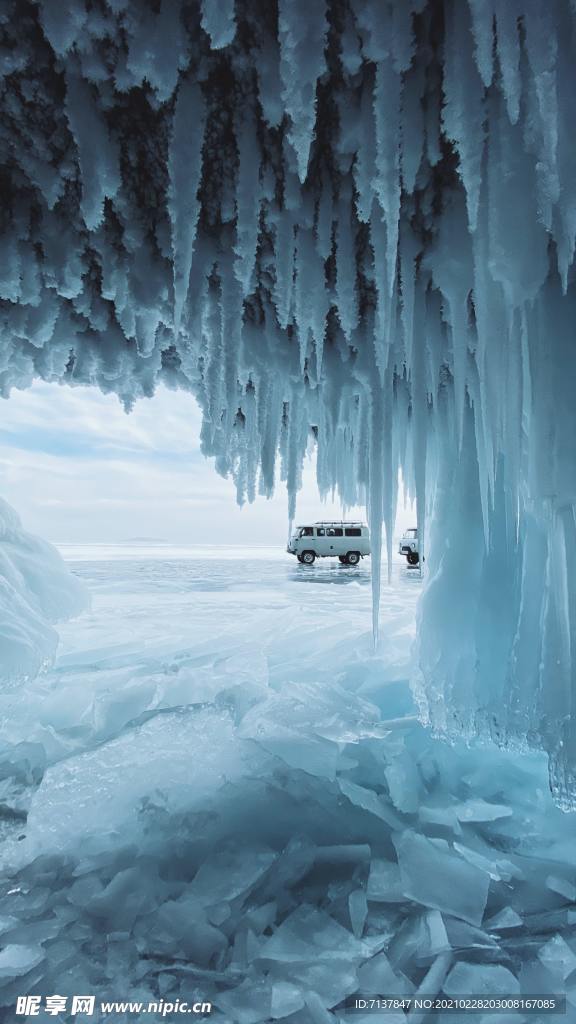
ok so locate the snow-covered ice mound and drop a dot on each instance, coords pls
(226, 810)
(36, 590)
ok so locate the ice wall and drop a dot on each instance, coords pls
(351, 217)
(36, 590)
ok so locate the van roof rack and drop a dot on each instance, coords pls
(338, 522)
(332, 522)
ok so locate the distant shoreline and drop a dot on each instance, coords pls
(129, 551)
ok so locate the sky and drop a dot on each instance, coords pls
(78, 469)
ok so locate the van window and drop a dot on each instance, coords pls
(353, 531)
(320, 531)
(307, 531)
(334, 532)
(411, 533)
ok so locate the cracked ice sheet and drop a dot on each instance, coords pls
(219, 757)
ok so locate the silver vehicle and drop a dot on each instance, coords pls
(409, 546)
(348, 541)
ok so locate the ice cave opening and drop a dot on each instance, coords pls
(350, 222)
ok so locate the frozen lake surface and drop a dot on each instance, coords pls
(221, 790)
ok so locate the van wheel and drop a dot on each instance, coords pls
(299, 557)
(412, 558)
(352, 558)
(343, 559)
(307, 557)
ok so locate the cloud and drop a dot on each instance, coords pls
(62, 419)
(78, 469)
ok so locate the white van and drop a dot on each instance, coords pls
(408, 546)
(348, 541)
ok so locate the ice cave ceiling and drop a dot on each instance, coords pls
(356, 217)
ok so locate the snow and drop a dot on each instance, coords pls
(221, 775)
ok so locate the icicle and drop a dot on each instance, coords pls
(378, 238)
(302, 30)
(295, 448)
(346, 269)
(542, 49)
(157, 48)
(247, 203)
(518, 257)
(269, 83)
(389, 471)
(365, 162)
(432, 119)
(508, 44)
(482, 12)
(463, 111)
(324, 221)
(97, 152)
(412, 126)
(350, 51)
(387, 180)
(185, 167)
(62, 26)
(565, 231)
(375, 503)
(284, 250)
(218, 22)
(310, 301)
(453, 274)
(408, 253)
(420, 414)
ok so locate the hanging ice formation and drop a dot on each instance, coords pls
(354, 217)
